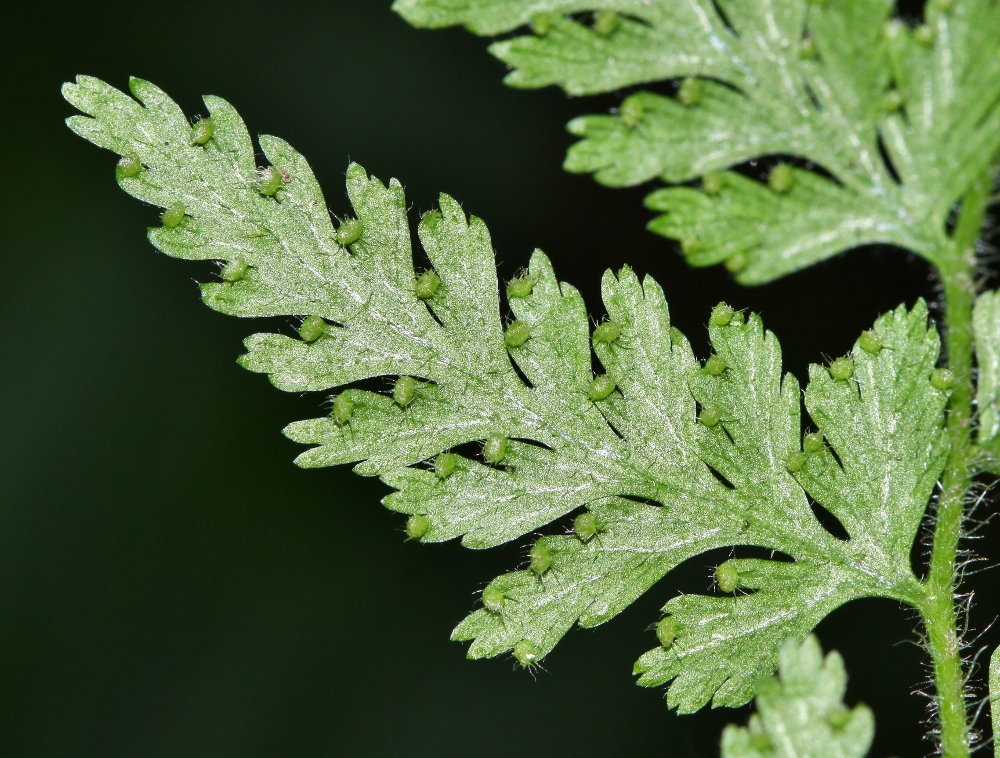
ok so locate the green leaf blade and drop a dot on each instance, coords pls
(886, 428)
(801, 712)
(491, 17)
(670, 457)
(764, 235)
(892, 125)
(723, 660)
(583, 62)
(590, 583)
(986, 327)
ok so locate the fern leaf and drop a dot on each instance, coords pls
(893, 123)
(986, 325)
(801, 712)
(986, 328)
(665, 457)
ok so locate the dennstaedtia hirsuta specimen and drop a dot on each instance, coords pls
(606, 445)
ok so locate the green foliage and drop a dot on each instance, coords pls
(801, 712)
(829, 83)
(986, 327)
(986, 323)
(661, 458)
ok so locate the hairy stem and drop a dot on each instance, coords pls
(939, 611)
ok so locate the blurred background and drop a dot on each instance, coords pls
(170, 584)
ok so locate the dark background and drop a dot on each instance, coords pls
(170, 584)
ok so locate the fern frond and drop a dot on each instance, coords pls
(801, 712)
(494, 429)
(892, 123)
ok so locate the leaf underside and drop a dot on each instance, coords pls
(801, 712)
(663, 486)
(890, 122)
